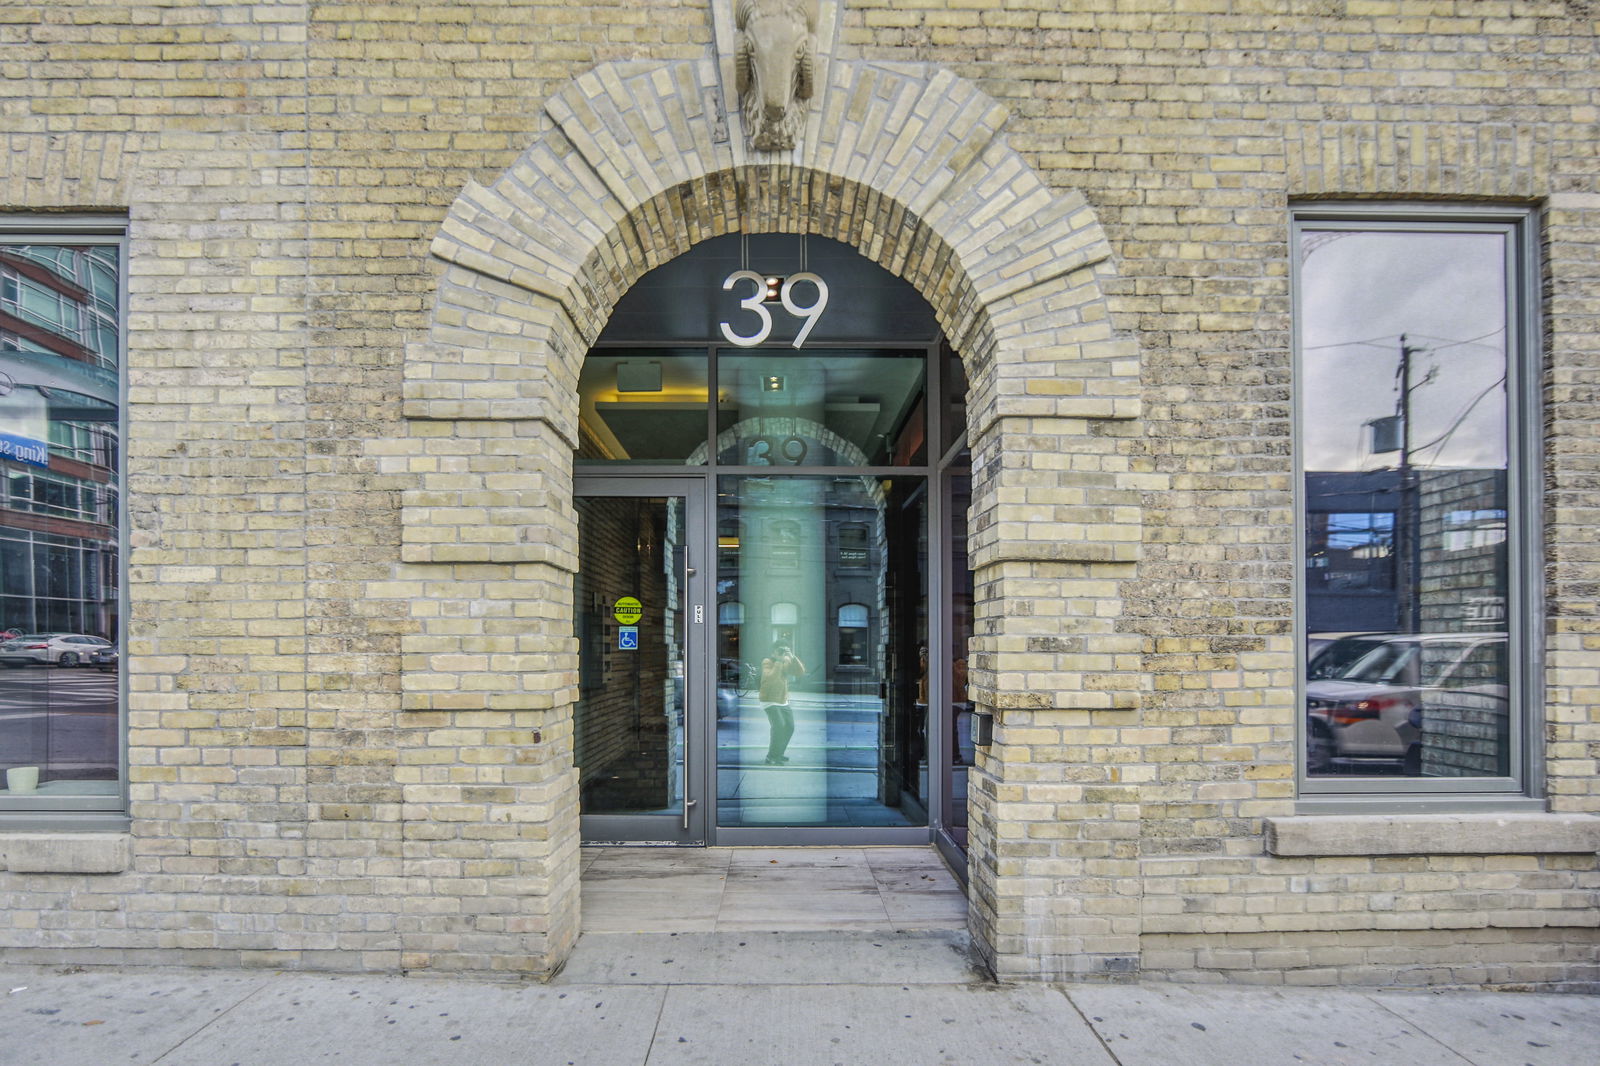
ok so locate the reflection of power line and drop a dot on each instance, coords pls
(1448, 343)
(1385, 343)
(1442, 439)
(1407, 539)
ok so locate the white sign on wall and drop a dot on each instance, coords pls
(24, 426)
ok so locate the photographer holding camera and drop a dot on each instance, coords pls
(776, 670)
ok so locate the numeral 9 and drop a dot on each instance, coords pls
(812, 312)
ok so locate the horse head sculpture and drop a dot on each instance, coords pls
(775, 64)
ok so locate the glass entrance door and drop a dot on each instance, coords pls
(820, 677)
(754, 671)
(636, 597)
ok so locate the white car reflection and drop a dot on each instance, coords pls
(60, 649)
(1368, 696)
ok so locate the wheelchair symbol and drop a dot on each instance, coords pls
(628, 638)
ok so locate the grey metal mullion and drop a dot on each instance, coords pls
(940, 762)
(123, 543)
(708, 662)
(713, 408)
(1526, 534)
(693, 684)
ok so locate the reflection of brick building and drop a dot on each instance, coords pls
(1464, 580)
(1461, 588)
(58, 521)
(1462, 518)
(1351, 523)
(810, 561)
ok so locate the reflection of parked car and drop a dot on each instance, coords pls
(1329, 653)
(62, 649)
(1366, 695)
(107, 659)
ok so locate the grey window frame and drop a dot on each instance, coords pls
(108, 811)
(1523, 788)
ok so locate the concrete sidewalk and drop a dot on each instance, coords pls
(788, 999)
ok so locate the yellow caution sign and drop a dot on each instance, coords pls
(627, 611)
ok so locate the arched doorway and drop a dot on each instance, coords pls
(772, 432)
(635, 170)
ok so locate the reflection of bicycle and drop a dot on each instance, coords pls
(743, 677)
(735, 680)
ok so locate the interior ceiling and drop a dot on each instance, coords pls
(863, 395)
(684, 300)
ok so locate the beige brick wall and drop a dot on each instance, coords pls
(350, 672)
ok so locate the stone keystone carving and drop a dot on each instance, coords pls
(775, 65)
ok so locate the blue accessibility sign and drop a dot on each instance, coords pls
(628, 638)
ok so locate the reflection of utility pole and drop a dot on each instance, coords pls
(1407, 526)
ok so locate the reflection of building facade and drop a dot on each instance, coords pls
(1354, 523)
(1351, 521)
(844, 633)
(58, 518)
(1462, 534)
(361, 297)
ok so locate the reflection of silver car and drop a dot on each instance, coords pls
(1366, 696)
(62, 649)
(1328, 653)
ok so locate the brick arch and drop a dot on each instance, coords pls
(917, 178)
(906, 164)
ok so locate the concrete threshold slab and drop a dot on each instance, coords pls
(823, 957)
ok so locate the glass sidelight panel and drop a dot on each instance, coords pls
(631, 612)
(822, 651)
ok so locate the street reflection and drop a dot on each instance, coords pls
(64, 721)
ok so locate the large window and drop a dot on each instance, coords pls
(60, 518)
(1414, 388)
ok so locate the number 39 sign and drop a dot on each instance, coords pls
(754, 303)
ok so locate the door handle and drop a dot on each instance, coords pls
(689, 694)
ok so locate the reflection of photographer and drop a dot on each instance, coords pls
(776, 670)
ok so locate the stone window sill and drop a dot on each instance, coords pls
(1433, 834)
(65, 853)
